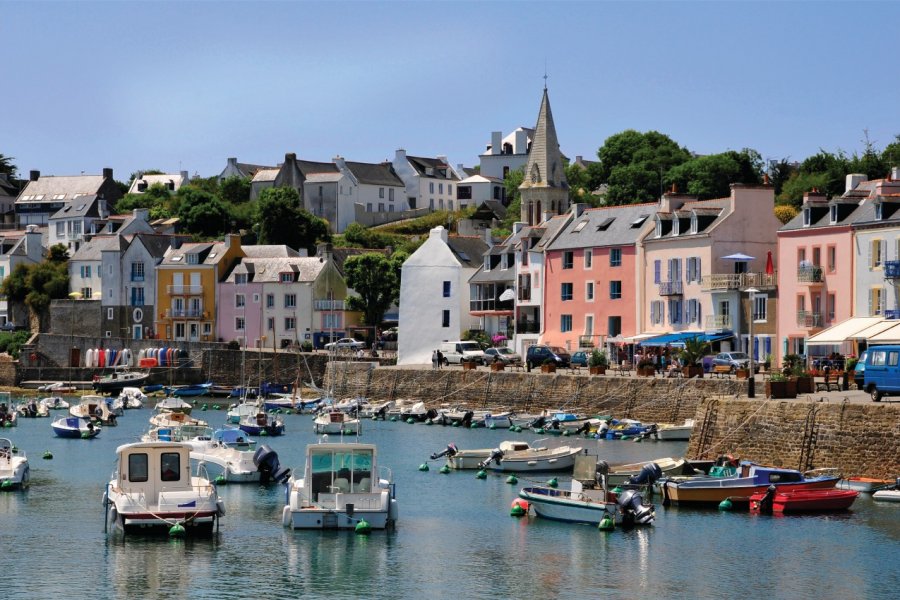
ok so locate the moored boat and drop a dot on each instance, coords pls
(93, 407)
(336, 421)
(342, 486)
(8, 415)
(670, 467)
(172, 404)
(669, 432)
(774, 500)
(891, 494)
(153, 489)
(231, 450)
(533, 459)
(58, 387)
(75, 427)
(866, 485)
(118, 379)
(54, 403)
(14, 470)
(189, 391)
(261, 424)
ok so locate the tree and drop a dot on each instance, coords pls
(793, 189)
(280, 219)
(156, 195)
(779, 172)
(785, 212)
(514, 209)
(235, 190)
(7, 167)
(891, 153)
(634, 164)
(711, 176)
(36, 285)
(374, 278)
(58, 253)
(208, 218)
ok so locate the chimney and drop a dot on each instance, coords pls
(232, 239)
(102, 208)
(438, 232)
(488, 239)
(815, 197)
(107, 173)
(324, 252)
(185, 177)
(175, 242)
(895, 173)
(853, 180)
(33, 248)
(521, 143)
(232, 162)
(340, 162)
(578, 209)
(34, 175)
(141, 214)
(518, 226)
(496, 141)
(290, 157)
(546, 216)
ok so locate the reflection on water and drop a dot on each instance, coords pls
(454, 539)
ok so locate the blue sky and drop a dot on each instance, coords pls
(140, 85)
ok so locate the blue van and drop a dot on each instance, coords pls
(859, 371)
(882, 374)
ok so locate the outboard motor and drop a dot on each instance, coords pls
(539, 422)
(270, 469)
(431, 414)
(585, 427)
(631, 504)
(601, 470)
(496, 455)
(648, 475)
(381, 413)
(450, 451)
(467, 419)
(765, 504)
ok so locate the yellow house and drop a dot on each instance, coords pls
(187, 286)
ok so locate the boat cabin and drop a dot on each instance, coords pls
(765, 475)
(512, 446)
(339, 468)
(154, 467)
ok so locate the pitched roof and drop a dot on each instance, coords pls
(374, 173)
(175, 179)
(269, 251)
(545, 157)
(250, 170)
(468, 250)
(83, 206)
(155, 244)
(551, 227)
(308, 167)
(48, 188)
(269, 270)
(423, 165)
(594, 228)
(208, 253)
(93, 249)
(266, 175)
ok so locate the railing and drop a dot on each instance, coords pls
(328, 305)
(737, 281)
(135, 277)
(671, 288)
(892, 269)
(808, 319)
(185, 290)
(810, 275)
(892, 314)
(528, 327)
(183, 314)
(586, 341)
(718, 322)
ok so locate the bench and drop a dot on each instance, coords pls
(623, 368)
(832, 381)
(720, 371)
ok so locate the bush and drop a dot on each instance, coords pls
(233, 345)
(11, 343)
(306, 346)
(785, 212)
(598, 359)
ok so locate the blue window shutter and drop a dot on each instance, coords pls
(657, 267)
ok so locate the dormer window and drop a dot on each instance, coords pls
(487, 263)
(693, 223)
(658, 232)
(878, 206)
(287, 277)
(192, 259)
(807, 217)
(833, 213)
(676, 226)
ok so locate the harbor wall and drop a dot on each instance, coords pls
(857, 439)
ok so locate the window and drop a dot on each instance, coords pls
(255, 298)
(369, 207)
(674, 311)
(878, 213)
(589, 291)
(239, 301)
(801, 255)
(565, 323)
(615, 290)
(445, 318)
(876, 254)
(588, 324)
(290, 300)
(615, 257)
(440, 188)
(657, 271)
(430, 187)
(693, 269)
(833, 213)
(760, 308)
(381, 207)
(449, 188)
(86, 271)
(193, 259)
(892, 358)
(657, 309)
(446, 289)
(60, 229)
(487, 264)
(109, 314)
(832, 258)
(817, 256)
(270, 324)
(830, 305)
(807, 217)
(137, 296)
(566, 291)
(170, 466)
(693, 311)
(286, 278)
(138, 467)
(207, 328)
(879, 357)
(588, 258)
(674, 269)
(381, 192)
(86, 292)
(613, 326)
(239, 323)
(876, 301)
(391, 194)
(331, 321)
(568, 259)
(137, 271)
(290, 323)
(270, 300)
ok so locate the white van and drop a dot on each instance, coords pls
(456, 352)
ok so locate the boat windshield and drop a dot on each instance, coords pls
(341, 471)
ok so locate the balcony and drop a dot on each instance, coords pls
(671, 288)
(724, 282)
(810, 275)
(586, 341)
(172, 313)
(136, 277)
(185, 290)
(329, 305)
(892, 314)
(528, 327)
(808, 319)
(717, 322)
(892, 269)
(476, 306)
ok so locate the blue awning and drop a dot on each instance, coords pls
(670, 339)
(715, 337)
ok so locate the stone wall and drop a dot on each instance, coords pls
(857, 439)
(652, 399)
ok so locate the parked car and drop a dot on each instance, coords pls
(390, 335)
(580, 358)
(462, 351)
(345, 344)
(882, 371)
(859, 371)
(503, 354)
(537, 355)
(735, 360)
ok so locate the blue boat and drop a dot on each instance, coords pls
(262, 422)
(189, 391)
(234, 438)
(75, 427)
(153, 387)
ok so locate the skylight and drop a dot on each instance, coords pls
(176, 258)
(579, 226)
(639, 221)
(80, 208)
(463, 255)
(605, 224)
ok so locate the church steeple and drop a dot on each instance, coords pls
(544, 187)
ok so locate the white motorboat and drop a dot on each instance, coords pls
(58, 387)
(229, 449)
(31, 409)
(501, 420)
(473, 459)
(174, 404)
(131, 397)
(342, 485)
(667, 432)
(177, 433)
(153, 488)
(561, 458)
(175, 419)
(14, 471)
(75, 427)
(241, 410)
(891, 494)
(336, 421)
(93, 407)
(417, 412)
(55, 403)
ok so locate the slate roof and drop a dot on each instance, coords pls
(269, 270)
(490, 209)
(83, 206)
(266, 175)
(7, 188)
(209, 253)
(162, 178)
(468, 250)
(308, 167)
(156, 245)
(375, 173)
(67, 186)
(250, 170)
(422, 164)
(93, 249)
(269, 251)
(620, 232)
(551, 227)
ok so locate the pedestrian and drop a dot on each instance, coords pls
(434, 359)
(440, 359)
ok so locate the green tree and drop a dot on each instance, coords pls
(830, 171)
(779, 172)
(514, 209)
(156, 195)
(7, 167)
(711, 176)
(205, 215)
(634, 164)
(58, 253)
(891, 153)
(235, 190)
(36, 285)
(374, 278)
(280, 219)
(793, 189)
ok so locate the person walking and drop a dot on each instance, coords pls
(434, 359)
(440, 358)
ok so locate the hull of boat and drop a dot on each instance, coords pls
(498, 422)
(561, 505)
(16, 476)
(114, 386)
(713, 491)
(674, 434)
(562, 462)
(887, 496)
(866, 485)
(468, 459)
(270, 430)
(351, 427)
(620, 474)
(808, 501)
(66, 432)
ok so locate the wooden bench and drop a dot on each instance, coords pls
(832, 382)
(623, 368)
(720, 371)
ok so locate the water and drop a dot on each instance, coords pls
(455, 537)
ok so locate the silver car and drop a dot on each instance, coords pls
(504, 355)
(346, 344)
(735, 360)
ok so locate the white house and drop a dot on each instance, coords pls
(505, 154)
(171, 181)
(374, 186)
(85, 266)
(429, 182)
(434, 294)
(476, 189)
(77, 221)
(44, 196)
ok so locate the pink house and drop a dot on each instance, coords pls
(590, 293)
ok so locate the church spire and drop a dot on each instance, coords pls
(544, 187)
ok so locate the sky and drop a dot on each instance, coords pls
(185, 85)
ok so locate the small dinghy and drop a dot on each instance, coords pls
(891, 494)
(75, 427)
(14, 471)
(800, 501)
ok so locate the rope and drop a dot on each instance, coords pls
(740, 425)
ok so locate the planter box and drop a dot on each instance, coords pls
(597, 370)
(646, 371)
(548, 368)
(742, 373)
(692, 371)
(781, 389)
(805, 385)
(497, 366)
(469, 366)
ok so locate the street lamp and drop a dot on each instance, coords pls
(751, 382)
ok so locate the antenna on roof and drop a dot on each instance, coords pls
(545, 74)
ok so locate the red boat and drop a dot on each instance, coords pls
(796, 501)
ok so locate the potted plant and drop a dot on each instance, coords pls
(805, 380)
(742, 373)
(767, 362)
(849, 368)
(779, 386)
(646, 368)
(692, 356)
(598, 362)
(469, 365)
(548, 366)
(498, 365)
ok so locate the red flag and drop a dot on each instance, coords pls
(770, 268)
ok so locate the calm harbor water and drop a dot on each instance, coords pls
(455, 537)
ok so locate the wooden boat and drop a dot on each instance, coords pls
(118, 379)
(153, 489)
(15, 473)
(796, 501)
(342, 485)
(75, 427)
(866, 485)
(336, 421)
(93, 407)
(750, 479)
